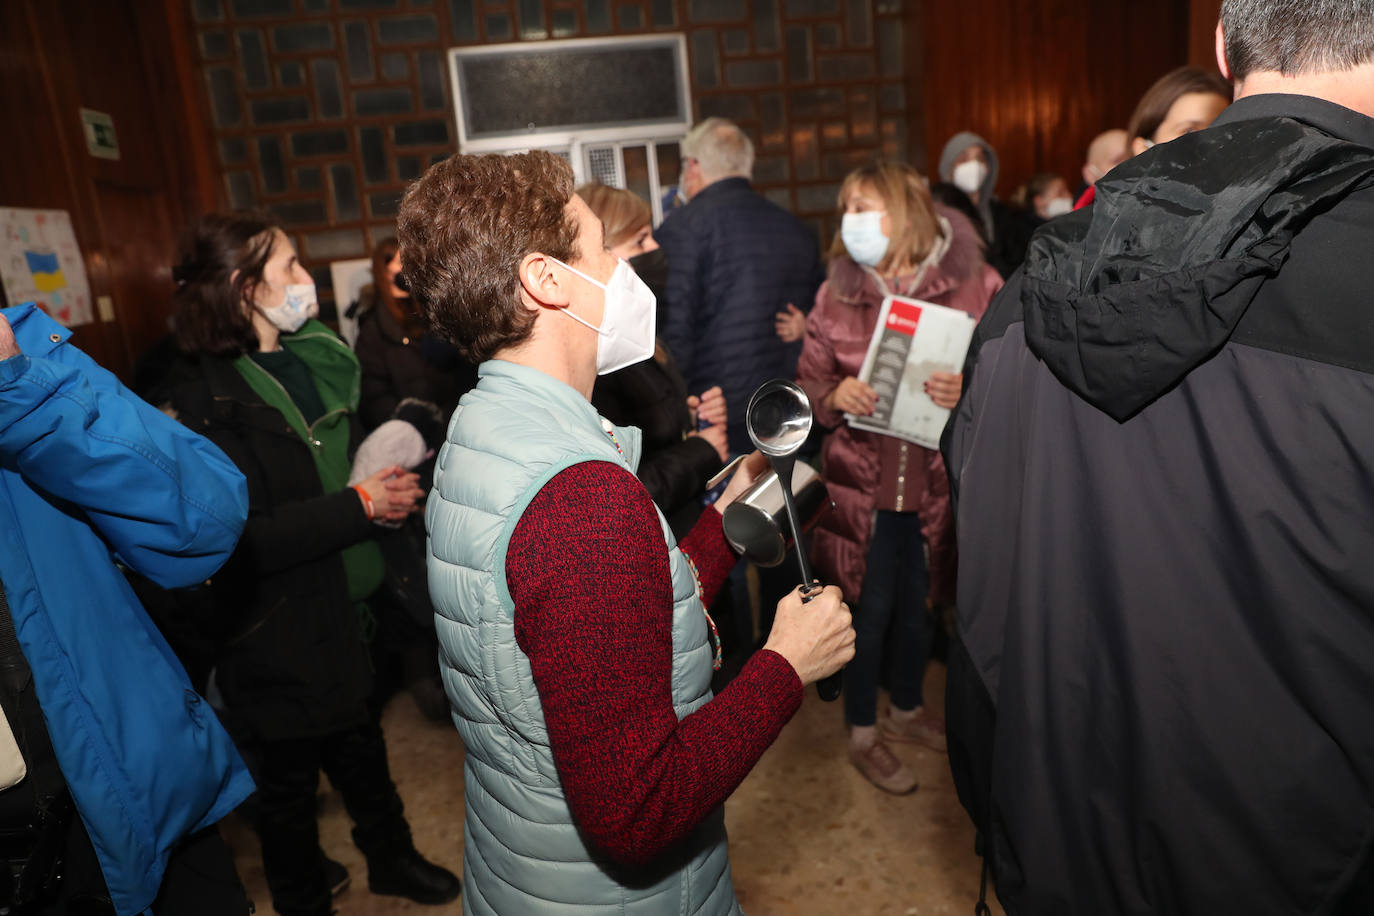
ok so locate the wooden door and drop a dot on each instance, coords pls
(128, 59)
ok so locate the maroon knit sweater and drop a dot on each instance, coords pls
(587, 568)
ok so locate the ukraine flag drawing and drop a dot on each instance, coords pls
(47, 273)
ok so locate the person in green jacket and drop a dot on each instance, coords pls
(278, 392)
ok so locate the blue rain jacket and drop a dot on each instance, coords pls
(90, 474)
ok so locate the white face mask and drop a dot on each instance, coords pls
(297, 307)
(1058, 207)
(862, 235)
(626, 335)
(968, 176)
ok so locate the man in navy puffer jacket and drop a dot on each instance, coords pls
(735, 260)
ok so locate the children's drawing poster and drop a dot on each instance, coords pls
(40, 262)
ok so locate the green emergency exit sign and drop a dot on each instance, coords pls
(100, 134)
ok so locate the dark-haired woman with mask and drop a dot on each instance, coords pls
(1043, 198)
(278, 392)
(891, 496)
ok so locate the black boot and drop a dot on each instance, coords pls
(408, 874)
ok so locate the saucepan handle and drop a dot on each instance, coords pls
(829, 688)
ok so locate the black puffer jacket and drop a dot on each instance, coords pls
(1164, 467)
(673, 468)
(403, 362)
(294, 662)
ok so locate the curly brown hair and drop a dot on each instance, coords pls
(464, 228)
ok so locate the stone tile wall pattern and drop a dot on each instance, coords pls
(323, 110)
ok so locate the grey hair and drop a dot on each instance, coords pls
(1297, 37)
(720, 148)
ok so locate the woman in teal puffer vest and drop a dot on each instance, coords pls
(572, 624)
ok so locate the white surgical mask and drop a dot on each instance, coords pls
(297, 307)
(1058, 207)
(862, 235)
(968, 176)
(626, 335)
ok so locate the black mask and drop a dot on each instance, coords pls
(652, 267)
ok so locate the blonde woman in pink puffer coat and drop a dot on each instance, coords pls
(891, 496)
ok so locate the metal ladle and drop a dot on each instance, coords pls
(779, 420)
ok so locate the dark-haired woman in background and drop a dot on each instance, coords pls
(1043, 198)
(1179, 102)
(399, 359)
(278, 392)
(410, 375)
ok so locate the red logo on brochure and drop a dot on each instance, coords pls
(903, 317)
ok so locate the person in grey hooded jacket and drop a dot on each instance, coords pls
(970, 163)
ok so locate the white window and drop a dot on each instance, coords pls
(616, 108)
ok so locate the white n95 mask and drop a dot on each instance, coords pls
(968, 176)
(1058, 207)
(299, 306)
(626, 335)
(862, 236)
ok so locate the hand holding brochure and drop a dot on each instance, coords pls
(912, 340)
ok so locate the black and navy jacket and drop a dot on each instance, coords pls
(1163, 700)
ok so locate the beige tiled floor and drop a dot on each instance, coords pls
(807, 834)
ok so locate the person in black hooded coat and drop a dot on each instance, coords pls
(1160, 702)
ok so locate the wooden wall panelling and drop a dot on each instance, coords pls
(119, 57)
(1202, 44)
(913, 25)
(36, 97)
(107, 73)
(1039, 80)
(188, 151)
